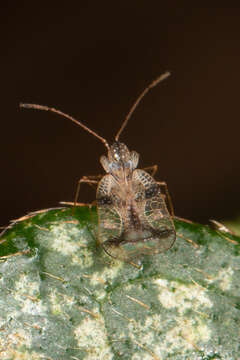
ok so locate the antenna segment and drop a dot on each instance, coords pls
(124, 124)
(46, 108)
(149, 87)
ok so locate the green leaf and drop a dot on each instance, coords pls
(62, 297)
(234, 225)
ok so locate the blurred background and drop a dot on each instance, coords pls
(92, 59)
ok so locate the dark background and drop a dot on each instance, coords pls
(92, 59)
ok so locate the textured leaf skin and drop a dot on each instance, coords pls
(63, 298)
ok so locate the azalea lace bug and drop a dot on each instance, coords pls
(133, 218)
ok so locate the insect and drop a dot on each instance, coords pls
(133, 218)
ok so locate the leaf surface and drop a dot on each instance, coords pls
(62, 297)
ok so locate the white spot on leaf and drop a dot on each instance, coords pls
(92, 337)
(182, 297)
(224, 277)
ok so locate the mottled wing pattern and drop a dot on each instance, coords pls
(145, 228)
(109, 219)
(153, 213)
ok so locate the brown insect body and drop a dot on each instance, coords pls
(132, 215)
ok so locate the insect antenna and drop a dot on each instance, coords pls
(46, 108)
(145, 91)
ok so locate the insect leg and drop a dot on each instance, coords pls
(93, 177)
(91, 180)
(84, 179)
(151, 169)
(164, 184)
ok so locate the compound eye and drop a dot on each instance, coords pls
(116, 156)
